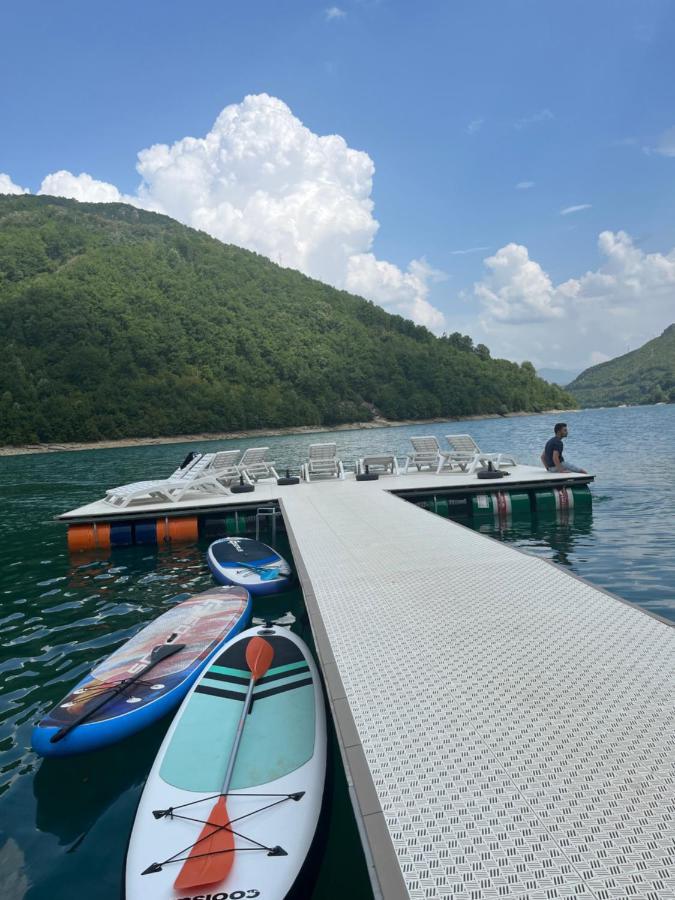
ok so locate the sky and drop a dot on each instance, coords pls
(503, 169)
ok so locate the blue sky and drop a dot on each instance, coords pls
(455, 104)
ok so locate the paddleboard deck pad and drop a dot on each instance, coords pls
(250, 564)
(200, 625)
(275, 796)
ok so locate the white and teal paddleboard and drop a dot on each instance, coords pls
(275, 796)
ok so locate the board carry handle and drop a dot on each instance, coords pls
(158, 655)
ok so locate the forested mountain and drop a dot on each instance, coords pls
(646, 375)
(116, 322)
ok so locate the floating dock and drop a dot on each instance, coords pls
(507, 729)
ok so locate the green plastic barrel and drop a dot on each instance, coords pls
(562, 499)
(235, 523)
(500, 505)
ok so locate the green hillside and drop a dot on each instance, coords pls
(646, 375)
(115, 322)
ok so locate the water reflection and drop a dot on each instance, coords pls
(72, 793)
(559, 538)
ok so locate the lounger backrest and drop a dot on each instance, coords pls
(254, 456)
(194, 469)
(462, 443)
(425, 446)
(225, 459)
(322, 452)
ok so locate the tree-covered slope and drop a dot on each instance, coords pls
(645, 375)
(116, 322)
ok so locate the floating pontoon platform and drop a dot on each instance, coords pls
(507, 729)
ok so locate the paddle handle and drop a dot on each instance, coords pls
(159, 653)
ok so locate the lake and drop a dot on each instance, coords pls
(65, 823)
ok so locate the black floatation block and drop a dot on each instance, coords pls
(368, 476)
(291, 479)
(490, 473)
(242, 488)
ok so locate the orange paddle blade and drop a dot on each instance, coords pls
(200, 869)
(259, 656)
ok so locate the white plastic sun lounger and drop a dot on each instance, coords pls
(225, 466)
(382, 463)
(201, 475)
(466, 454)
(323, 463)
(254, 466)
(427, 454)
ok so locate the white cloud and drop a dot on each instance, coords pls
(7, 186)
(468, 250)
(543, 115)
(399, 292)
(262, 180)
(475, 125)
(573, 209)
(666, 143)
(524, 185)
(517, 289)
(626, 301)
(334, 12)
(81, 187)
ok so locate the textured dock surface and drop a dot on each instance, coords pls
(508, 729)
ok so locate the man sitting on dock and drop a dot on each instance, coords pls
(552, 457)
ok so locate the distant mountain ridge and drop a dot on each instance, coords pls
(645, 375)
(559, 376)
(116, 322)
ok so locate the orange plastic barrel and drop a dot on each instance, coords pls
(89, 536)
(177, 530)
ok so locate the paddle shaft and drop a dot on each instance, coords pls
(237, 738)
(159, 653)
(258, 669)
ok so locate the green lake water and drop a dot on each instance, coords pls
(64, 824)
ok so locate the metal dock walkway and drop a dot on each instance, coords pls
(508, 729)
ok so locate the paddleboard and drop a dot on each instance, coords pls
(199, 626)
(277, 785)
(250, 564)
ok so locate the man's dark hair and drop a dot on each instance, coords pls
(558, 427)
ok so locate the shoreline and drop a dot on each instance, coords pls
(378, 422)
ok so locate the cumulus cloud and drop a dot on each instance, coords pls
(524, 185)
(399, 292)
(626, 301)
(81, 187)
(334, 12)
(262, 180)
(474, 126)
(574, 209)
(517, 289)
(7, 186)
